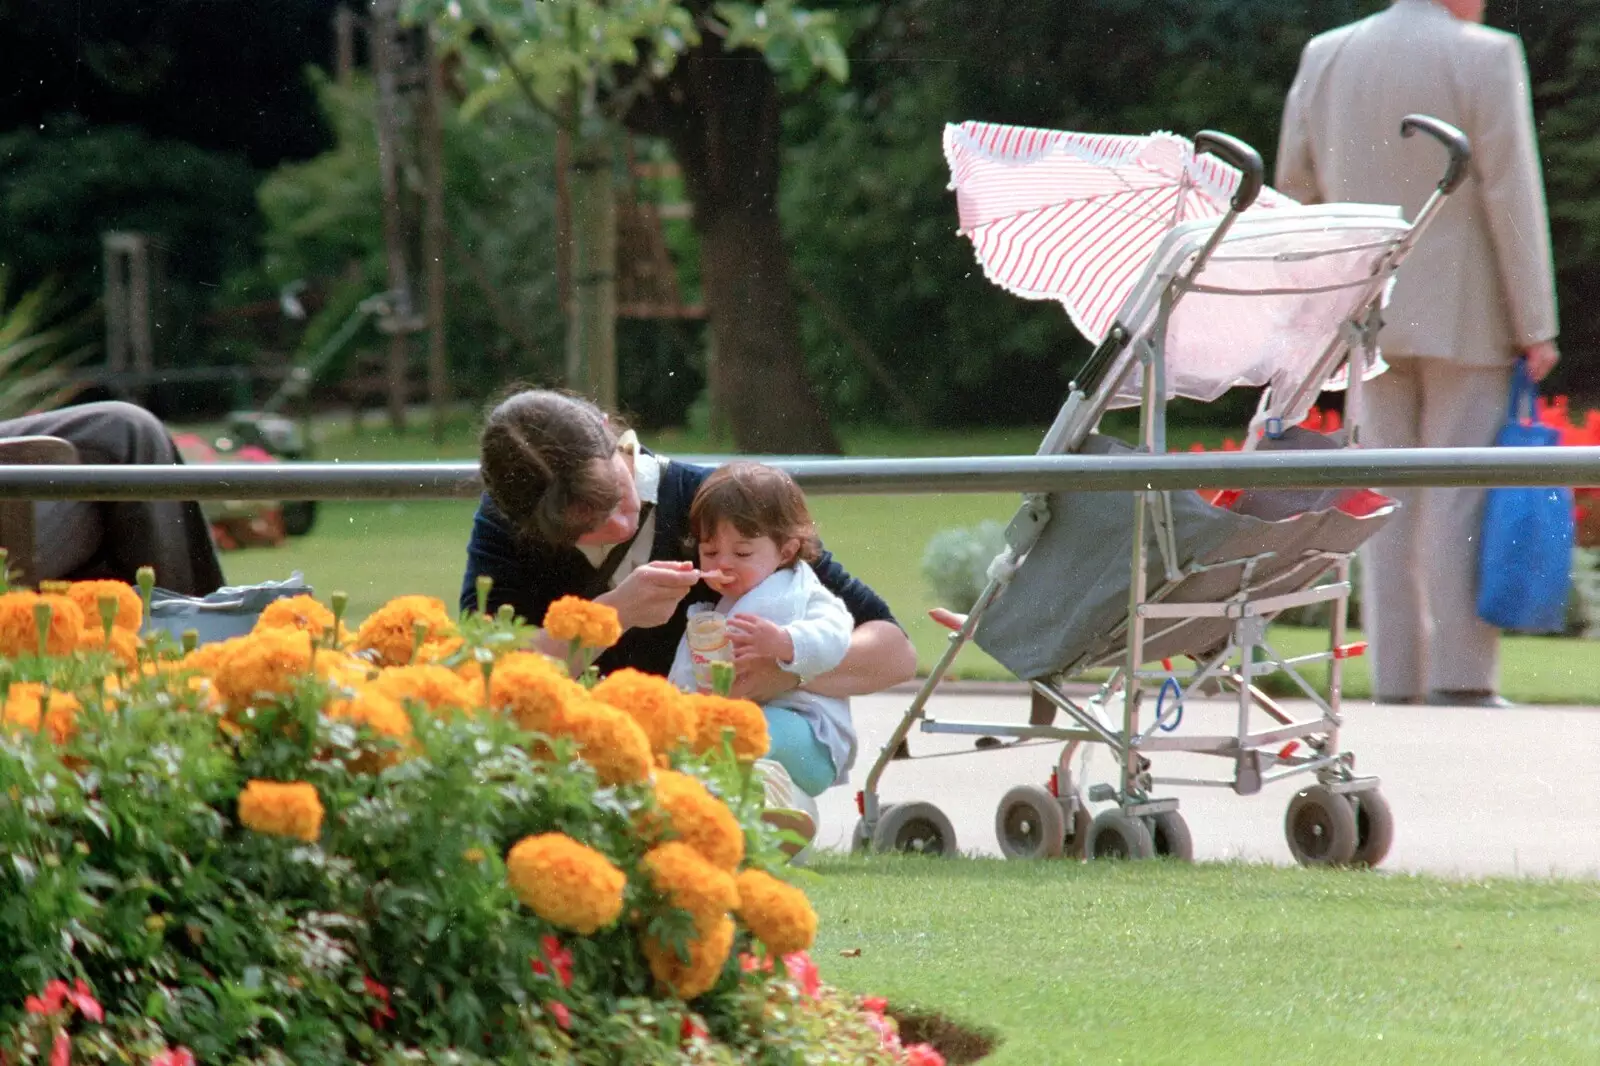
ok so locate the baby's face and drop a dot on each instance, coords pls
(734, 563)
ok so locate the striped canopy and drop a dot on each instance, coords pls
(1074, 217)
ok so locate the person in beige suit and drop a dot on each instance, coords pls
(1477, 293)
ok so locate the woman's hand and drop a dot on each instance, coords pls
(651, 593)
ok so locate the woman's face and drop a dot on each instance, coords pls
(623, 521)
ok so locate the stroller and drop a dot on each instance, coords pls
(1193, 278)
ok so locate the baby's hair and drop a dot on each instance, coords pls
(758, 501)
(538, 453)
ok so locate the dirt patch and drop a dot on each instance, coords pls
(958, 1044)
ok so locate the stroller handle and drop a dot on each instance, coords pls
(1454, 141)
(1243, 158)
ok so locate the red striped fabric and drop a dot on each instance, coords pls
(1074, 217)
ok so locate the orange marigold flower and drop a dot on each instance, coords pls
(609, 741)
(284, 810)
(592, 625)
(708, 952)
(778, 914)
(655, 703)
(268, 662)
(566, 883)
(388, 631)
(206, 658)
(688, 881)
(346, 671)
(533, 691)
(66, 624)
(700, 819)
(375, 710)
(19, 635)
(19, 630)
(436, 687)
(384, 717)
(438, 649)
(299, 612)
(718, 714)
(26, 703)
(87, 595)
(124, 644)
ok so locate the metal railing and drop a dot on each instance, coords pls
(1376, 468)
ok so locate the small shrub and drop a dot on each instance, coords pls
(956, 562)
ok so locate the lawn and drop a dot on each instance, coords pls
(1154, 963)
(377, 550)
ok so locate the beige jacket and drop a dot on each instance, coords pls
(1480, 285)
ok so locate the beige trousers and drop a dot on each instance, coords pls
(1419, 574)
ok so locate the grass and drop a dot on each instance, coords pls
(377, 550)
(1155, 963)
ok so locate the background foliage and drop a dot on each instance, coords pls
(867, 218)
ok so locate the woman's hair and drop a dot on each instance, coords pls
(538, 453)
(758, 501)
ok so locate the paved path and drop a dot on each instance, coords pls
(1474, 792)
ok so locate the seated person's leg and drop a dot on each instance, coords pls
(171, 536)
(807, 759)
(797, 767)
(66, 538)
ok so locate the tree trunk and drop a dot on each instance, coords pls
(722, 116)
(592, 314)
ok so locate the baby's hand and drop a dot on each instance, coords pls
(757, 638)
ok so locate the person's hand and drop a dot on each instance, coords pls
(947, 618)
(651, 593)
(1541, 358)
(762, 680)
(754, 637)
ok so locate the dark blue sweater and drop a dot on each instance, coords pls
(531, 576)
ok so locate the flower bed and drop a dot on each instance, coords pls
(413, 842)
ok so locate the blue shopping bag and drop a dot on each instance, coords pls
(1525, 553)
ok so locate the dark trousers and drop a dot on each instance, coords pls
(77, 539)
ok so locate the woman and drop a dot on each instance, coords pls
(575, 506)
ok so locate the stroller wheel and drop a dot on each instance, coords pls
(1374, 827)
(1030, 824)
(1321, 827)
(914, 828)
(1114, 835)
(1170, 835)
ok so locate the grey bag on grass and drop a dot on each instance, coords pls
(228, 612)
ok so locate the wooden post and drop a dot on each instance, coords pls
(716, 391)
(116, 306)
(385, 27)
(139, 303)
(433, 237)
(344, 44)
(592, 321)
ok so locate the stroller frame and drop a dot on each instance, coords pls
(1340, 819)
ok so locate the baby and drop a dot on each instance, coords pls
(756, 538)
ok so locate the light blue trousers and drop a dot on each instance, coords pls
(798, 749)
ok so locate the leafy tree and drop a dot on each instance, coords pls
(706, 77)
(1563, 46)
(224, 77)
(61, 189)
(323, 226)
